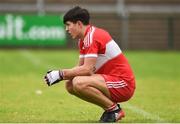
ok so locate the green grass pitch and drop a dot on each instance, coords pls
(25, 98)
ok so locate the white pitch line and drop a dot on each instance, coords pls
(144, 113)
(35, 60)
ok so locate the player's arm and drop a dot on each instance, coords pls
(86, 67)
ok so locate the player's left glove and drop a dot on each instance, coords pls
(53, 77)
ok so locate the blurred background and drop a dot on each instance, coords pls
(134, 24)
(33, 40)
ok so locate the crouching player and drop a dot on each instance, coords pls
(104, 76)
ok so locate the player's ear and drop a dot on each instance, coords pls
(80, 24)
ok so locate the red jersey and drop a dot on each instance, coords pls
(110, 59)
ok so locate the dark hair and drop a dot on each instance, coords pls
(77, 14)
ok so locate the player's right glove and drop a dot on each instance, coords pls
(53, 77)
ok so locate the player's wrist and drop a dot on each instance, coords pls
(61, 75)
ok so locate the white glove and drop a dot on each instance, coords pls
(53, 77)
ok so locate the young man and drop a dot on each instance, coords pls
(103, 75)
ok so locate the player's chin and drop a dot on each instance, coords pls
(73, 37)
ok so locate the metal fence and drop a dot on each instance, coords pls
(133, 26)
(153, 32)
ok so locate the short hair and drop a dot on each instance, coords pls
(77, 14)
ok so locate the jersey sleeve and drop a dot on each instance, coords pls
(91, 50)
(89, 46)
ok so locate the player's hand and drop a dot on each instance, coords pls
(53, 76)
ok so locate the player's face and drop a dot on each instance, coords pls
(73, 29)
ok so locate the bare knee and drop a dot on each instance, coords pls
(79, 84)
(69, 87)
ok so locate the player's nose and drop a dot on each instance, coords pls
(66, 28)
